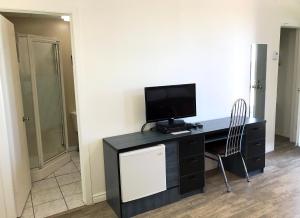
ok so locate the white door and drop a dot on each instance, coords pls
(296, 105)
(2, 201)
(258, 80)
(13, 110)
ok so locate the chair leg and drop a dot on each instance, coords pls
(245, 167)
(224, 174)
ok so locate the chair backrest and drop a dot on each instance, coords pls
(236, 127)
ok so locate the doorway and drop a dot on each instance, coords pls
(287, 96)
(47, 86)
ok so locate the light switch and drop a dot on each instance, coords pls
(275, 55)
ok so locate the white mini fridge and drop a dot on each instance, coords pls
(142, 172)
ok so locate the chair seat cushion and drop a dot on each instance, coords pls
(216, 148)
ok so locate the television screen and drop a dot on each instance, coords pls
(170, 102)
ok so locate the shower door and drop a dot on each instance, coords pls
(49, 98)
(44, 95)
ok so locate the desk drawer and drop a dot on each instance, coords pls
(191, 183)
(255, 163)
(255, 148)
(255, 131)
(191, 146)
(191, 165)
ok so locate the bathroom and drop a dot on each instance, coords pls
(47, 82)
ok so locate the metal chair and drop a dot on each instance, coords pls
(234, 139)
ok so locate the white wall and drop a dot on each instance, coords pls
(122, 46)
(285, 82)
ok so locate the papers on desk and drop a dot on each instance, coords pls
(180, 132)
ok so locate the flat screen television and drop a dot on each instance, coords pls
(170, 102)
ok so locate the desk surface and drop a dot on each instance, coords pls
(137, 139)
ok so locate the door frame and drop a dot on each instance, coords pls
(295, 109)
(85, 167)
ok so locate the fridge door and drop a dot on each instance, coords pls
(142, 172)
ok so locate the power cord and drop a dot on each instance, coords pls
(143, 127)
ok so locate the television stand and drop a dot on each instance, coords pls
(170, 125)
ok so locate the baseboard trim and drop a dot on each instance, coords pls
(99, 197)
(73, 148)
(269, 149)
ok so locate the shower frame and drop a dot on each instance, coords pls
(30, 39)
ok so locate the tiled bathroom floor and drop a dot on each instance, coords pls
(59, 192)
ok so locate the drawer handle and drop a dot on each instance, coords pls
(258, 144)
(258, 159)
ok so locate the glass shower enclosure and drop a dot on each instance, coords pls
(43, 98)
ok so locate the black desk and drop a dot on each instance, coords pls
(185, 161)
